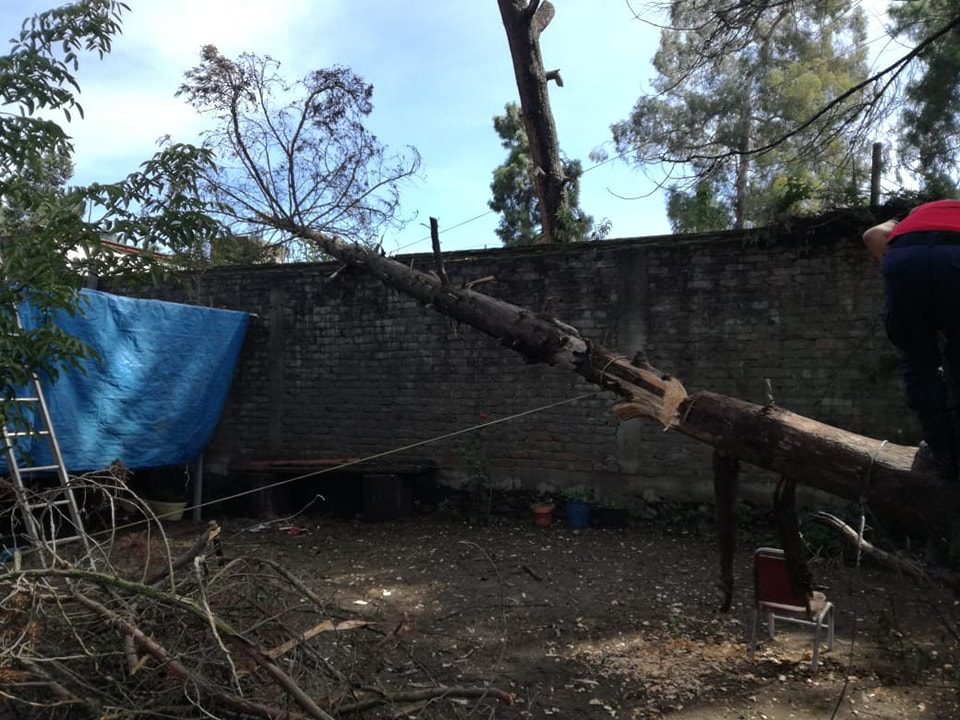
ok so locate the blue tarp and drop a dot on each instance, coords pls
(156, 392)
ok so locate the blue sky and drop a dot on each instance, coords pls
(441, 71)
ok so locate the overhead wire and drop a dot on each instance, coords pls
(849, 51)
(368, 458)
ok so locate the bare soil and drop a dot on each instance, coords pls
(616, 623)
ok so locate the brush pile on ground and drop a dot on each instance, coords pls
(137, 628)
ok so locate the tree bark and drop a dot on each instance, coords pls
(813, 453)
(524, 20)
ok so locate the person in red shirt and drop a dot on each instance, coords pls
(921, 276)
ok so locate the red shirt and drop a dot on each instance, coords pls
(937, 215)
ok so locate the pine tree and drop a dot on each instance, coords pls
(515, 195)
(930, 122)
(734, 82)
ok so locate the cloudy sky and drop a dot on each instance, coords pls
(441, 71)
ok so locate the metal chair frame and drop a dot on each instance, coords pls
(796, 610)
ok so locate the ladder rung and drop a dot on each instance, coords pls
(28, 433)
(26, 399)
(39, 468)
(52, 503)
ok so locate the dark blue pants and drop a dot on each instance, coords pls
(921, 274)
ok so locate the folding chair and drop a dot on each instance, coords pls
(774, 596)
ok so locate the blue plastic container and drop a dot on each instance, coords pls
(578, 514)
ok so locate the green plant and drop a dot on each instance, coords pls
(579, 493)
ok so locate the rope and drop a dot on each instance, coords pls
(610, 362)
(863, 500)
(368, 458)
(856, 586)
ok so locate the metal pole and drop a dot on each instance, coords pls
(197, 488)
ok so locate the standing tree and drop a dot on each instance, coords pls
(524, 21)
(514, 190)
(735, 81)
(300, 147)
(47, 245)
(930, 122)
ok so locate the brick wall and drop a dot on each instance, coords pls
(336, 366)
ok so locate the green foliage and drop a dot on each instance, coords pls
(515, 195)
(579, 493)
(698, 210)
(735, 82)
(52, 234)
(244, 250)
(930, 122)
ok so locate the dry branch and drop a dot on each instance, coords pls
(177, 668)
(322, 627)
(426, 694)
(189, 644)
(904, 566)
(211, 533)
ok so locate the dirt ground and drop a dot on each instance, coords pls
(617, 623)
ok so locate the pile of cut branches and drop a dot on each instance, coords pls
(141, 625)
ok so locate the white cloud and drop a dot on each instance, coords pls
(173, 31)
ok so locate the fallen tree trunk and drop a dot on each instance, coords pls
(831, 459)
(813, 453)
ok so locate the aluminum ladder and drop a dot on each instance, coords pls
(42, 517)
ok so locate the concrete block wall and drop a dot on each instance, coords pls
(336, 366)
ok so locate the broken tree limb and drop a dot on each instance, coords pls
(306, 635)
(902, 565)
(538, 338)
(210, 533)
(788, 528)
(441, 691)
(524, 21)
(813, 453)
(828, 458)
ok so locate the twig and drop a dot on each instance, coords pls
(531, 573)
(440, 692)
(503, 608)
(187, 556)
(325, 626)
(178, 669)
(480, 281)
(198, 572)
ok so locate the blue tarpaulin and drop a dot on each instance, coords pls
(157, 389)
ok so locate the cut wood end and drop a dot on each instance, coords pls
(665, 410)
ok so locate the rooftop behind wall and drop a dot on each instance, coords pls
(337, 366)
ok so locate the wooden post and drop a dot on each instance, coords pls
(435, 240)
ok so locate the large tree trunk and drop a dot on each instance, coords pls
(815, 454)
(524, 20)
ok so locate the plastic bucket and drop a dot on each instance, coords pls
(578, 514)
(542, 515)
